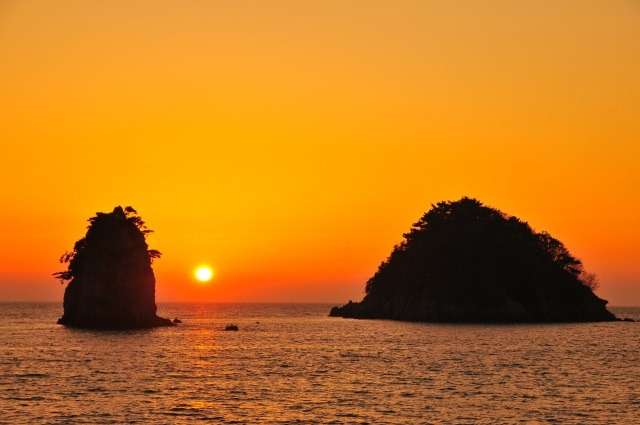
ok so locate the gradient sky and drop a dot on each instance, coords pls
(289, 144)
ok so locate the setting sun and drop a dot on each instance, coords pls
(204, 273)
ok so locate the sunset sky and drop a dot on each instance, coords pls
(289, 144)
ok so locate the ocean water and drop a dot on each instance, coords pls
(290, 363)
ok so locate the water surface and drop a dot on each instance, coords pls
(290, 363)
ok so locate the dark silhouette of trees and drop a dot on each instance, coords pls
(475, 242)
(74, 258)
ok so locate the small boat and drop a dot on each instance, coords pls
(176, 320)
(231, 328)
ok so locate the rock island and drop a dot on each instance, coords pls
(466, 262)
(111, 284)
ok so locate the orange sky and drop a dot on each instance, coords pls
(289, 144)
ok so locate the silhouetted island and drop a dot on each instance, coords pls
(466, 262)
(111, 282)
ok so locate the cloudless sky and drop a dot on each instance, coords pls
(289, 144)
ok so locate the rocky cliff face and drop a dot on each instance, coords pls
(465, 262)
(111, 282)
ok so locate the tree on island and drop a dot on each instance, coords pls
(464, 261)
(110, 280)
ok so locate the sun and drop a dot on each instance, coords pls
(203, 273)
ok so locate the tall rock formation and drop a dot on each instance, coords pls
(111, 282)
(466, 262)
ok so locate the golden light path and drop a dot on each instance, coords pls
(204, 273)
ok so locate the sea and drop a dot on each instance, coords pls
(292, 364)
